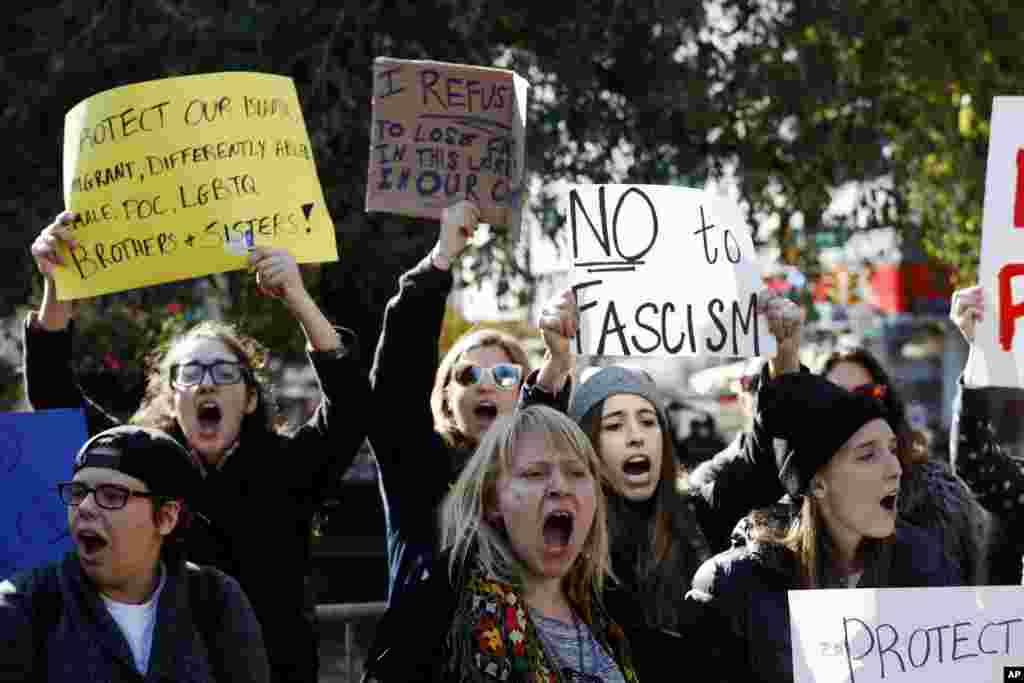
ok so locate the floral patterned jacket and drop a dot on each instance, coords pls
(476, 629)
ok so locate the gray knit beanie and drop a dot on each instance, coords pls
(615, 380)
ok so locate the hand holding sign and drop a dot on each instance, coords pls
(54, 238)
(167, 177)
(967, 310)
(277, 273)
(458, 223)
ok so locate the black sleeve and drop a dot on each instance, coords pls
(405, 364)
(978, 457)
(239, 639)
(427, 609)
(323, 449)
(743, 477)
(726, 650)
(50, 380)
(531, 394)
(17, 649)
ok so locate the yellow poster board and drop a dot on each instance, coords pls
(176, 178)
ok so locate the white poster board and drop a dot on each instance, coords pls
(998, 358)
(663, 271)
(906, 635)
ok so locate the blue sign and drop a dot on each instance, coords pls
(36, 452)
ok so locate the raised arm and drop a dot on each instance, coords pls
(49, 377)
(407, 352)
(744, 476)
(327, 444)
(550, 385)
(995, 478)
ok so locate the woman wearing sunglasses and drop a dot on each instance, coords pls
(261, 487)
(440, 410)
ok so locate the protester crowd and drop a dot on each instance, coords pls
(539, 525)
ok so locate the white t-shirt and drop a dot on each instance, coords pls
(137, 623)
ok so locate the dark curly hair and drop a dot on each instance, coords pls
(156, 408)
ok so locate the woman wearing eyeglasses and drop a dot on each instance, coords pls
(440, 411)
(261, 487)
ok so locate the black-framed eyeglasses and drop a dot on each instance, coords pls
(221, 372)
(107, 496)
(505, 376)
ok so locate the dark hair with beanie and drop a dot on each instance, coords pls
(809, 419)
(154, 458)
(657, 544)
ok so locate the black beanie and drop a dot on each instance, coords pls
(808, 419)
(149, 455)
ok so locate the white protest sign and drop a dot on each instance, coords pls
(663, 271)
(999, 342)
(906, 635)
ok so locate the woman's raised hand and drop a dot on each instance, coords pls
(277, 273)
(786, 322)
(458, 222)
(967, 309)
(559, 324)
(46, 247)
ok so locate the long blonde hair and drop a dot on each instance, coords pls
(464, 529)
(444, 417)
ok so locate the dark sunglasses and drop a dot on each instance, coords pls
(877, 391)
(107, 496)
(505, 376)
(221, 372)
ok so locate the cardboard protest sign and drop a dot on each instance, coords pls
(442, 133)
(663, 271)
(36, 451)
(999, 342)
(906, 635)
(175, 178)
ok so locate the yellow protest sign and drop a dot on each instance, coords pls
(446, 132)
(174, 178)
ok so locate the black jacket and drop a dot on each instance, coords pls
(994, 476)
(262, 498)
(55, 627)
(748, 610)
(415, 465)
(931, 497)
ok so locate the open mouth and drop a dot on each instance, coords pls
(90, 543)
(889, 502)
(486, 410)
(209, 416)
(558, 529)
(637, 466)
